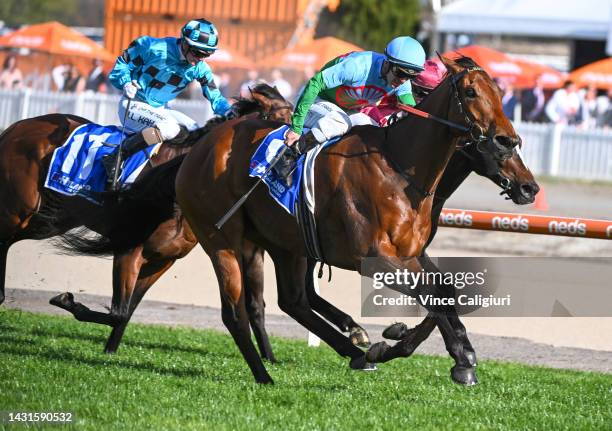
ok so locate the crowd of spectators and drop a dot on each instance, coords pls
(583, 107)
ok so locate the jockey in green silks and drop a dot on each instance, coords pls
(344, 86)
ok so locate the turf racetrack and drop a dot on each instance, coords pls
(175, 378)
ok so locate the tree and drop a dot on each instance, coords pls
(371, 24)
(69, 12)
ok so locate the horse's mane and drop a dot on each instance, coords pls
(241, 107)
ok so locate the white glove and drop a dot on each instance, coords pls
(130, 89)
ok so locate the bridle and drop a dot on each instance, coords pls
(484, 144)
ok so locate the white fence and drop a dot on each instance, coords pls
(99, 108)
(549, 150)
(567, 151)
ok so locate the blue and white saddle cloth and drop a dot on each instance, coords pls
(285, 195)
(76, 167)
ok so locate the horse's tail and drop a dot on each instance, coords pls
(131, 216)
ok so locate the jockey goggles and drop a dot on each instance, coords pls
(403, 72)
(200, 54)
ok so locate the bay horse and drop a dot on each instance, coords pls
(388, 216)
(29, 211)
(511, 175)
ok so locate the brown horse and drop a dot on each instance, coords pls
(388, 217)
(29, 211)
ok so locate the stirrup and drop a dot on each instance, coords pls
(285, 166)
(109, 162)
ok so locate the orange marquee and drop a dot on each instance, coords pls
(309, 55)
(549, 77)
(598, 74)
(55, 38)
(497, 64)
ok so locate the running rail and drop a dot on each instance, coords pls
(526, 223)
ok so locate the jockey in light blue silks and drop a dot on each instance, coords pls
(151, 72)
(344, 86)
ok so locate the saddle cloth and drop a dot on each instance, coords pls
(286, 196)
(76, 167)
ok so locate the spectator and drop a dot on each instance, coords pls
(605, 108)
(533, 101)
(224, 83)
(589, 107)
(11, 77)
(96, 78)
(252, 81)
(564, 106)
(281, 84)
(66, 77)
(509, 99)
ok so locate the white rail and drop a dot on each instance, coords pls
(562, 151)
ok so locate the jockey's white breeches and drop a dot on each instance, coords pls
(143, 115)
(327, 120)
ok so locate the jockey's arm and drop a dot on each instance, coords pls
(218, 102)
(313, 88)
(131, 59)
(404, 94)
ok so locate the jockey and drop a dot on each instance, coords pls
(151, 72)
(343, 87)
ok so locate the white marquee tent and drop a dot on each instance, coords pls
(574, 19)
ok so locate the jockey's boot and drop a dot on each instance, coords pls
(287, 163)
(131, 145)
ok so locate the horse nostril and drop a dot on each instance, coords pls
(529, 190)
(506, 141)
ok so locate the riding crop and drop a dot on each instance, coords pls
(244, 197)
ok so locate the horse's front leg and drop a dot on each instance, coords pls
(463, 372)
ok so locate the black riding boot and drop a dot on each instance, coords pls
(131, 145)
(285, 166)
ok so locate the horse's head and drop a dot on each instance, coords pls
(475, 104)
(489, 139)
(273, 105)
(512, 175)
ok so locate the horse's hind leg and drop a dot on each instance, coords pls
(228, 268)
(252, 260)
(4, 248)
(125, 271)
(343, 321)
(149, 273)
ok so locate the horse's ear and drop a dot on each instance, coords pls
(451, 65)
(262, 100)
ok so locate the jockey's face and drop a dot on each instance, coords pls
(192, 55)
(396, 76)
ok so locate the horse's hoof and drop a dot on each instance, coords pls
(1, 297)
(471, 357)
(376, 351)
(265, 380)
(63, 300)
(464, 376)
(360, 363)
(270, 359)
(359, 337)
(396, 331)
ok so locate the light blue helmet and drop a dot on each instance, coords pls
(200, 34)
(406, 53)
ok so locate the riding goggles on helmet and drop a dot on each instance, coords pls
(200, 54)
(403, 72)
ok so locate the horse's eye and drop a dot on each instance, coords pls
(470, 92)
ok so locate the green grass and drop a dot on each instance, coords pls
(182, 379)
